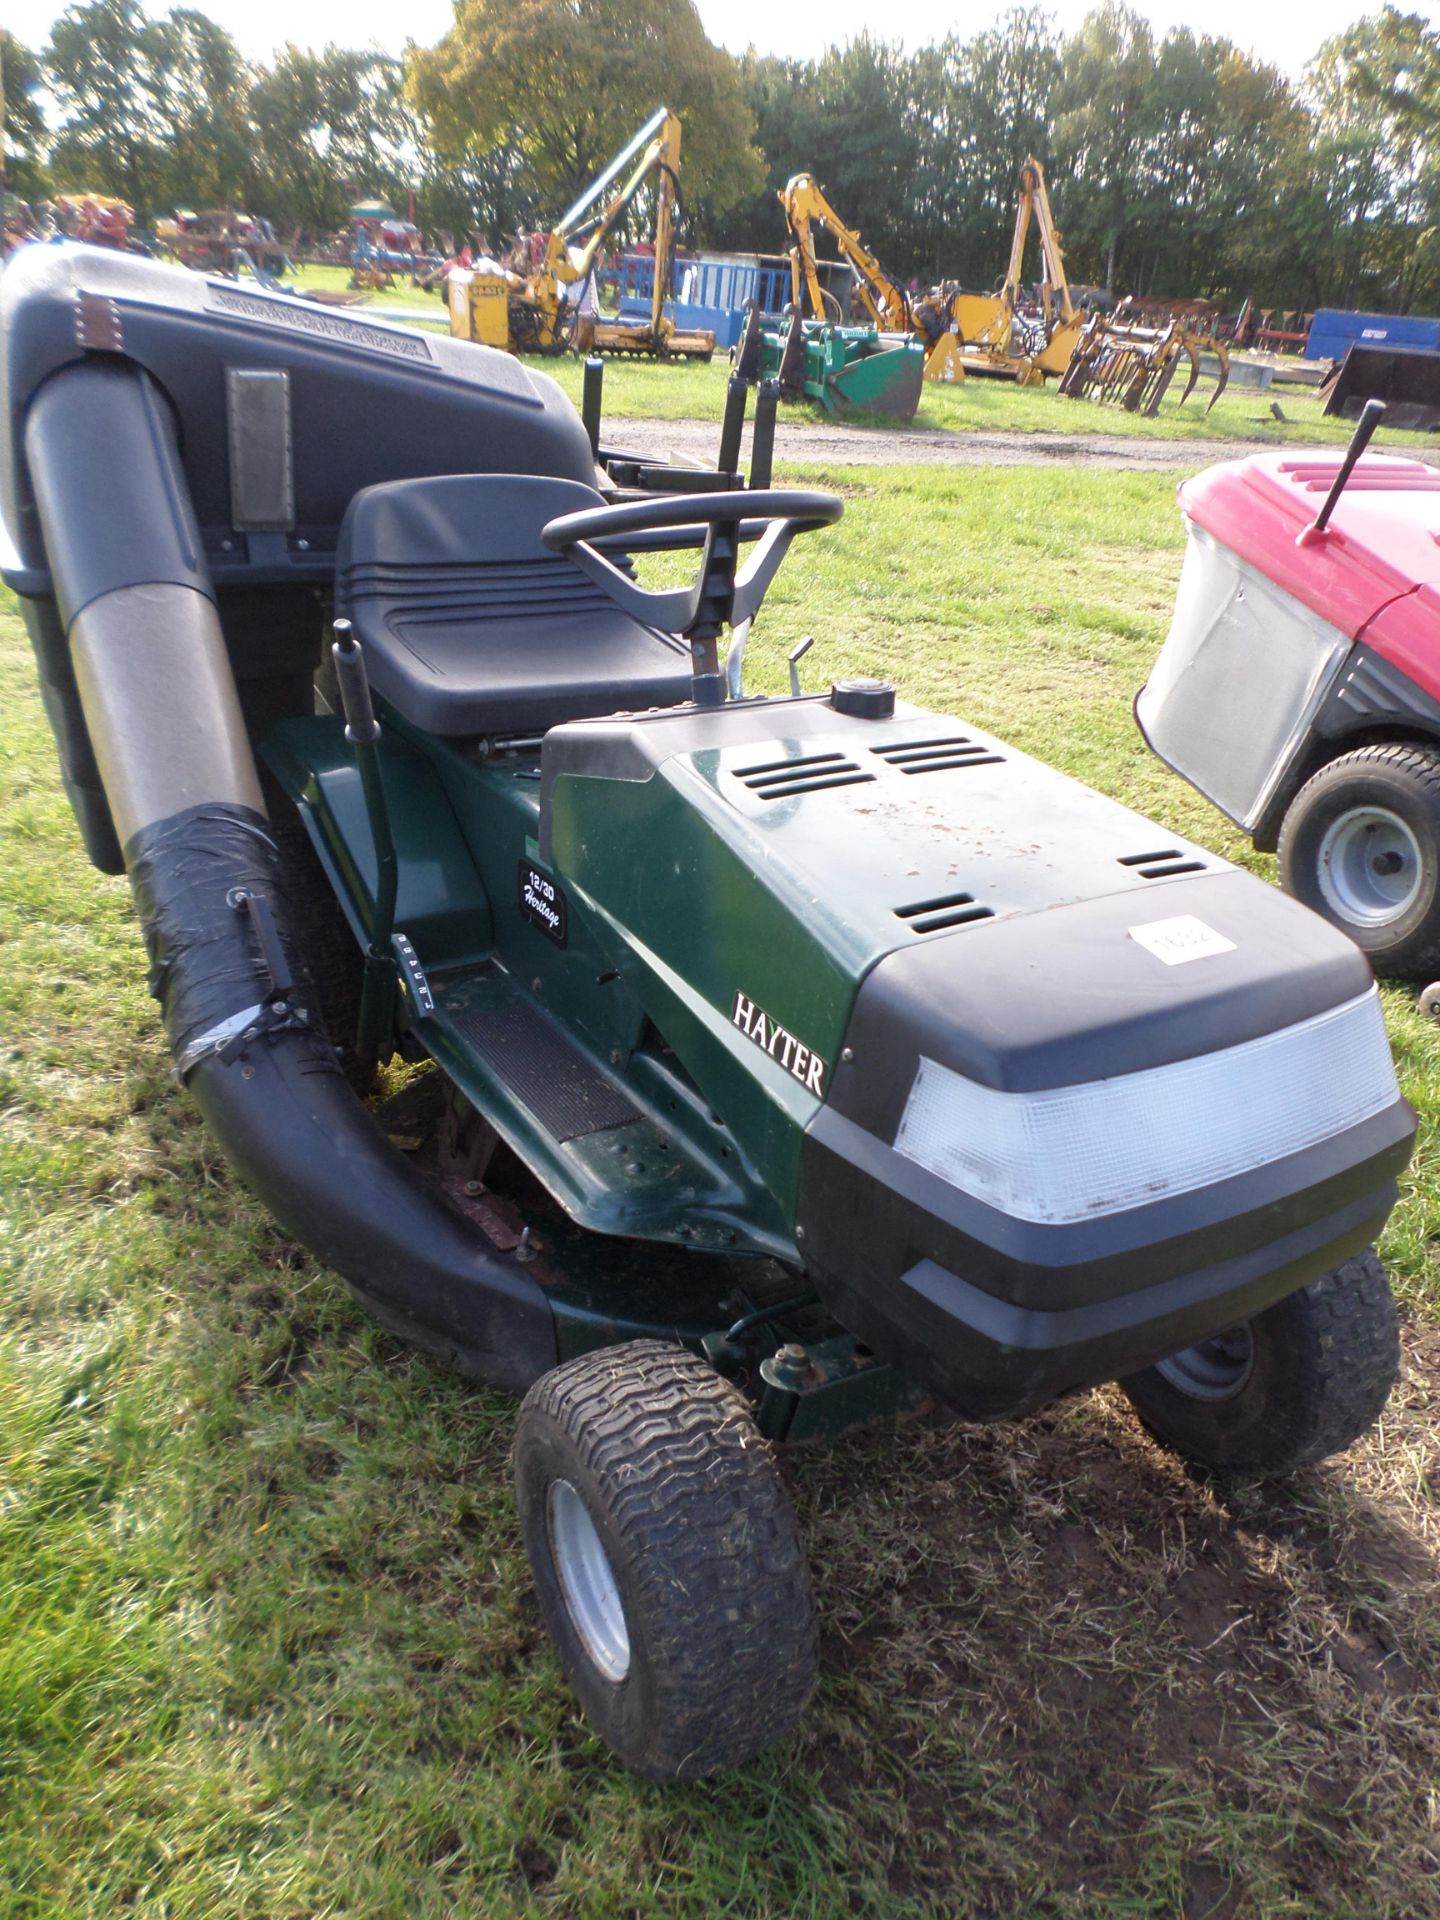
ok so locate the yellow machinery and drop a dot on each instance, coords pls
(546, 309)
(984, 332)
(884, 302)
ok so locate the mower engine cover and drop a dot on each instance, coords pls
(1275, 640)
(1048, 1093)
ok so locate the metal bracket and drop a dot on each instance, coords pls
(267, 934)
(97, 324)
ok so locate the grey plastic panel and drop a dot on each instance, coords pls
(1238, 682)
(262, 471)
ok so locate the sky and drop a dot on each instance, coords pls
(1286, 36)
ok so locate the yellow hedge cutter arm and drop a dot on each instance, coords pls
(883, 300)
(574, 244)
(540, 317)
(980, 331)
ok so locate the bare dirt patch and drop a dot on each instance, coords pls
(1084, 1656)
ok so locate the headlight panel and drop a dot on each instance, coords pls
(1067, 1154)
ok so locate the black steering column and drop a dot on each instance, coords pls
(722, 593)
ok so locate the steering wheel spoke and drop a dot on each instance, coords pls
(722, 592)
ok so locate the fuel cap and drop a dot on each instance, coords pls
(863, 699)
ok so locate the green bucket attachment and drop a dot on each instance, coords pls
(847, 369)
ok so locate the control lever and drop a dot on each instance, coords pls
(736, 394)
(735, 660)
(796, 654)
(362, 730)
(1371, 416)
(590, 401)
(762, 443)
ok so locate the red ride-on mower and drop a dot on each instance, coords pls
(1299, 688)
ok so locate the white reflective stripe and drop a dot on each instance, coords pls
(1081, 1152)
(216, 1036)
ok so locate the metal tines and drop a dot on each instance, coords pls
(1119, 362)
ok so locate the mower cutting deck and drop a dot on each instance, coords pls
(791, 1061)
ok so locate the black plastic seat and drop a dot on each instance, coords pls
(471, 627)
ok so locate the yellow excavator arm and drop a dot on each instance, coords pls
(534, 317)
(985, 322)
(588, 224)
(1054, 287)
(805, 206)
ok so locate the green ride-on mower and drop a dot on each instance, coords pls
(779, 1064)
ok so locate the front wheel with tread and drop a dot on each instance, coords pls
(666, 1557)
(1300, 1381)
(1360, 844)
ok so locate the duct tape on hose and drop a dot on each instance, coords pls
(206, 969)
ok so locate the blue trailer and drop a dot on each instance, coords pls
(715, 290)
(1334, 330)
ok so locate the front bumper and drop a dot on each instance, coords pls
(998, 1315)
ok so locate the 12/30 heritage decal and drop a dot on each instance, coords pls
(807, 1067)
(542, 902)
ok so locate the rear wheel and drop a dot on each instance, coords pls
(666, 1557)
(1361, 845)
(1287, 1389)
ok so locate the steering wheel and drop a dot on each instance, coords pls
(719, 593)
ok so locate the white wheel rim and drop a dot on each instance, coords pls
(1214, 1369)
(587, 1581)
(1369, 866)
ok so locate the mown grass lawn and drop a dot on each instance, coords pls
(267, 1641)
(694, 391)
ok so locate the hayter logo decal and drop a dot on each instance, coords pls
(807, 1067)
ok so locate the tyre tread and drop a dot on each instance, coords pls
(1343, 1330)
(1418, 952)
(711, 1537)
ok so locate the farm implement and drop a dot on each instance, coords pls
(1120, 361)
(875, 367)
(846, 369)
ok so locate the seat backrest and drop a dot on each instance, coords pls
(454, 518)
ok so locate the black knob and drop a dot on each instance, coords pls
(863, 699)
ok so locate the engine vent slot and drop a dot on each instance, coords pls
(1160, 866)
(779, 779)
(949, 910)
(940, 755)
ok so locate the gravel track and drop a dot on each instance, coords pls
(695, 441)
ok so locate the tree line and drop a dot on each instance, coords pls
(1177, 164)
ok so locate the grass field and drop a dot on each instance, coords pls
(267, 1642)
(640, 389)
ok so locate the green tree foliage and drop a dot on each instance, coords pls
(1376, 96)
(1104, 111)
(1177, 164)
(147, 109)
(25, 169)
(329, 128)
(563, 83)
(845, 120)
(981, 107)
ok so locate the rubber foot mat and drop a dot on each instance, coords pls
(566, 1094)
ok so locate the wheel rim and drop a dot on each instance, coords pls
(587, 1581)
(1213, 1369)
(1369, 867)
